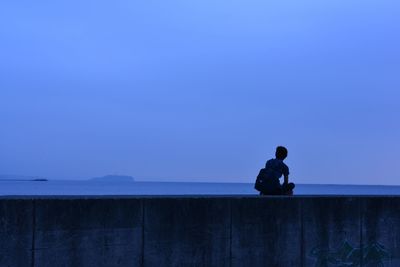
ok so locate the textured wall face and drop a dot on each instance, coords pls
(328, 225)
(200, 231)
(92, 232)
(187, 232)
(266, 232)
(16, 232)
(381, 231)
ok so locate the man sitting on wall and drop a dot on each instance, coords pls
(268, 179)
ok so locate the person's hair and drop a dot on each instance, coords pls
(281, 152)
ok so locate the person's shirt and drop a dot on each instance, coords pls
(275, 168)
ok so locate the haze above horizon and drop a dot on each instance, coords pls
(201, 90)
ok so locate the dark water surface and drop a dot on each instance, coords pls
(176, 188)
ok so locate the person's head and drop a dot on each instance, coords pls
(281, 152)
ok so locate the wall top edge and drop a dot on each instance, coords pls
(116, 197)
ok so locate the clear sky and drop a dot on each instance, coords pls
(201, 90)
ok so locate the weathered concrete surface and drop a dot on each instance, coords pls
(200, 231)
(266, 232)
(381, 231)
(331, 228)
(187, 232)
(16, 233)
(100, 232)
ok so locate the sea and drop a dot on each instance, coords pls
(126, 188)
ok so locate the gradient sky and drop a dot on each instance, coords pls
(201, 90)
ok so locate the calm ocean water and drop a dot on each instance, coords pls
(8, 188)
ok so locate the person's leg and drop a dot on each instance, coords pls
(272, 192)
(287, 189)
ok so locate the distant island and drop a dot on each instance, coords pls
(113, 178)
(22, 178)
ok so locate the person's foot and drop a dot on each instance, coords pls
(289, 193)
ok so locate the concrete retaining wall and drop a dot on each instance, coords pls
(200, 231)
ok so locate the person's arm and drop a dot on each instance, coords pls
(286, 174)
(286, 177)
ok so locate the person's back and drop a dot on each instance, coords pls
(275, 169)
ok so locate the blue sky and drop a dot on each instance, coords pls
(200, 90)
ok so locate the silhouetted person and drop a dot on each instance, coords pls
(268, 179)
